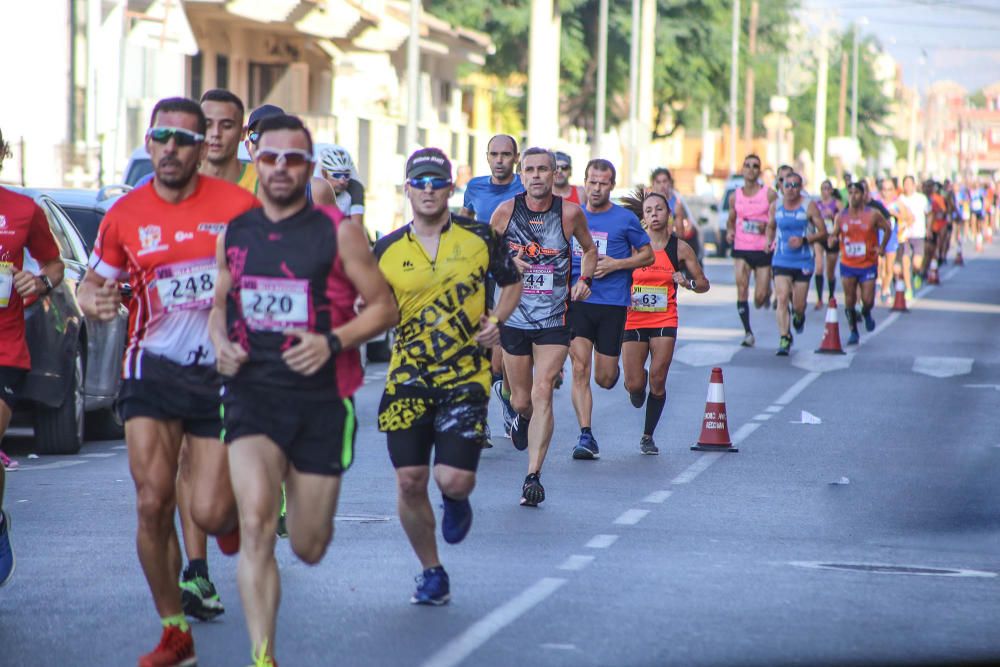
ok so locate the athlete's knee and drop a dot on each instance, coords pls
(412, 486)
(456, 484)
(311, 549)
(154, 505)
(521, 402)
(541, 392)
(581, 371)
(606, 378)
(212, 516)
(658, 381)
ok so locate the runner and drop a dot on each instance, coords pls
(24, 227)
(913, 248)
(860, 248)
(597, 324)
(286, 337)
(683, 225)
(483, 195)
(651, 324)
(160, 238)
(337, 167)
(789, 234)
(897, 210)
(561, 186)
(748, 215)
(437, 386)
(537, 227)
(939, 223)
(826, 255)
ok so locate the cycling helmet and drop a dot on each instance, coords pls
(336, 159)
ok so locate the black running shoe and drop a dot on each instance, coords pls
(532, 493)
(647, 446)
(799, 322)
(519, 432)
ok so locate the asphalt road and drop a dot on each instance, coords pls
(871, 536)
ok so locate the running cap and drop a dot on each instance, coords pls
(262, 112)
(563, 157)
(428, 162)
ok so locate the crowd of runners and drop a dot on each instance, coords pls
(254, 285)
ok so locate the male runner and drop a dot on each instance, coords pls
(537, 227)
(749, 207)
(857, 232)
(161, 238)
(561, 187)
(23, 226)
(285, 335)
(913, 249)
(437, 387)
(337, 167)
(598, 323)
(482, 196)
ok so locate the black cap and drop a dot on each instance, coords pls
(428, 162)
(262, 112)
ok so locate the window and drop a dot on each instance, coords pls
(221, 71)
(263, 79)
(196, 81)
(70, 245)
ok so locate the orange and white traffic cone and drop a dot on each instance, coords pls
(958, 258)
(714, 427)
(932, 273)
(899, 305)
(831, 337)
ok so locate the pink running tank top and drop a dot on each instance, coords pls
(751, 220)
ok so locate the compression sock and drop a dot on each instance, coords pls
(832, 284)
(819, 288)
(585, 430)
(177, 621)
(743, 308)
(654, 408)
(197, 567)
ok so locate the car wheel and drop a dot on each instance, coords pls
(103, 424)
(379, 351)
(60, 430)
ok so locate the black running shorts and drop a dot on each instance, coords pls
(169, 391)
(452, 422)
(797, 275)
(643, 335)
(11, 380)
(518, 342)
(316, 434)
(600, 324)
(757, 259)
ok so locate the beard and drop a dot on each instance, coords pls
(284, 197)
(181, 179)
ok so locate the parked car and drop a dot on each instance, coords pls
(86, 208)
(716, 235)
(75, 362)
(140, 165)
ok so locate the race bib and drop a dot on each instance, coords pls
(649, 299)
(600, 240)
(753, 227)
(831, 225)
(855, 249)
(977, 205)
(538, 279)
(187, 286)
(274, 304)
(6, 282)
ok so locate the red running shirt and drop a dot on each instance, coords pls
(654, 294)
(167, 252)
(858, 239)
(23, 225)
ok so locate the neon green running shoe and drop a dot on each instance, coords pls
(199, 598)
(282, 530)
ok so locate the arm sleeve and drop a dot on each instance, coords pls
(108, 258)
(357, 192)
(41, 243)
(501, 263)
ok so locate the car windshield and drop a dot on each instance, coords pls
(87, 220)
(139, 168)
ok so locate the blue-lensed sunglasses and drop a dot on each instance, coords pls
(435, 183)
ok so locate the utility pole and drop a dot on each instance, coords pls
(602, 78)
(733, 85)
(751, 52)
(854, 89)
(543, 73)
(842, 111)
(819, 134)
(413, 77)
(633, 103)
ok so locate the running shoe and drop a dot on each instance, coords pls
(8, 463)
(487, 442)
(433, 587)
(854, 338)
(909, 295)
(637, 397)
(647, 446)
(519, 432)
(748, 340)
(199, 597)
(918, 281)
(505, 406)
(532, 492)
(586, 448)
(176, 649)
(798, 322)
(784, 346)
(261, 658)
(869, 321)
(229, 544)
(559, 379)
(457, 519)
(7, 560)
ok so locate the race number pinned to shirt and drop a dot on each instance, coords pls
(600, 240)
(856, 249)
(831, 225)
(753, 227)
(6, 282)
(274, 304)
(649, 298)
(538, 279)
(187, 286)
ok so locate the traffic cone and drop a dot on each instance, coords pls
(988, 233)
(899, 306)
(958, 258)
(714, 427)
(932, 273)
(979, 242)
(831, 337)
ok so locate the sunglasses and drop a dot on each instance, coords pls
(254, 137)
(422, 182)
(181, 137)
(789, 185)
(339, 175)
(292, 158)
(563, 167)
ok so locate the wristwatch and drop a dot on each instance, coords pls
(47, 283)
(691, 284)
(334, 342)
(587, 280)
(495, 320)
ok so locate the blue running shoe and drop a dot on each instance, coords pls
(869, 321)
(7, 560)
(854, 338)
(432, 588)
(457, 519)
(586, 448)
(519, 432)
(505, 406)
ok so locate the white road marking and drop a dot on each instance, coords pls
(698, 467)
(631, 517)
(559, 647)
(743, 432)
(774, 408)
(982, 386)
(23, 501)
(657, 497)
(807, 418)
(480, 632)
(808, 360)
(705, 354)
(942, 367)
(53, 466)
(942, 572)
(762, 417)
(950, 273)
(797, 388)
(601, 541)
(120, 447)
(575, 563)
(98, 455)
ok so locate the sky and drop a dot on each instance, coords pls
(959, 36)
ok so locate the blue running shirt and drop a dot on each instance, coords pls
(482, 196)
(615, 232)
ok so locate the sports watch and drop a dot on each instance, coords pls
(587, 280)
(47, 282)
(334, 342)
